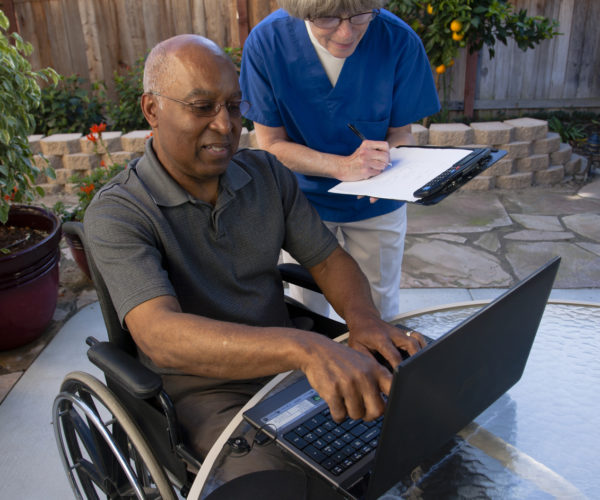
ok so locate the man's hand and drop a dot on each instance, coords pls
(376, 335)
(349, 381)
(370, 159)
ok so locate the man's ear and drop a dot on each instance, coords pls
(149, 108)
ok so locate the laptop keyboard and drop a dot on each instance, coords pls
(335, 446)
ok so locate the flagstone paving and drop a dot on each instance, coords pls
(495, 238)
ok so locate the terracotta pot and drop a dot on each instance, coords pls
(29, 280)
(78, 253)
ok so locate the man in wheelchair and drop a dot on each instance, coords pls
(187, 240)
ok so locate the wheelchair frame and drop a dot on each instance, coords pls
(121, 439)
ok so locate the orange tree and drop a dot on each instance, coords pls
(445, 26)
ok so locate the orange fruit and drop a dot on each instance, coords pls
(429, 9)
(457, 37)
(455, 25)
(440, 69)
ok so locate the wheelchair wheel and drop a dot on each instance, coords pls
(103, 452)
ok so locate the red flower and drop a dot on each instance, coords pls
(87, 189)
(102, 164)
(98, 129)
(11, 197)
(91, 137)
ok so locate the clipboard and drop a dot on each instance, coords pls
(483, 158)
(445, 169)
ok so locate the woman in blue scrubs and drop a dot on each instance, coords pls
(309, 71)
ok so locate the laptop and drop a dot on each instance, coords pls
(434, 394)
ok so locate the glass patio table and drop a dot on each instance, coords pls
(539, 440)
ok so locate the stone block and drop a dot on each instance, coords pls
(42, 178)
(135, 141)
(480, 183)
(491, 133)
(515, 181)
(60, 144)
(450, 134)
(562, 156)
(71, 188)
(51, 188)
(546, 146)
(528, 129)
(81, 161)
(420, 133)
(575, 165)
(112, 142)
(532, 163)
(501, 167)
(63, 175)
(248, 139)
(119, 157)
(516, 149)
(34, 143)
(42, 162)
(552, 175)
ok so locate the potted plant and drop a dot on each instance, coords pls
(29, 236)
(86, 186)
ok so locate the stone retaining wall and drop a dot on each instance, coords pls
(535, 156)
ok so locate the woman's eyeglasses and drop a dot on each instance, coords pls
(330, 23)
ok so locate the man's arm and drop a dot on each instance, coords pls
(347, 290)
(350, 382)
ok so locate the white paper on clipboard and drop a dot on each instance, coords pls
(411, 169)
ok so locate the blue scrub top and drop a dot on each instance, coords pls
(386, 82)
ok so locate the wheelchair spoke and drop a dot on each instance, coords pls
(84, 433)
(103, 451)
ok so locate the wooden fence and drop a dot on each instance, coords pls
(95, 38)
(560, 73)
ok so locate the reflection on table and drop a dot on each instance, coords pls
(539, 440)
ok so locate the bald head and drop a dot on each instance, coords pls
(159, 70)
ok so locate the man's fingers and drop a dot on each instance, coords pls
(337, 408)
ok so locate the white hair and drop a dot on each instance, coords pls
(305, 9)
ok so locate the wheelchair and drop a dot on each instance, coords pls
(120, 438)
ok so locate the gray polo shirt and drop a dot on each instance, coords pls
(149, 238)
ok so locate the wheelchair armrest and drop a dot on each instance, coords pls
(125, 370)
(298, 275)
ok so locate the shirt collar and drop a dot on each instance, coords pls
(166, 192)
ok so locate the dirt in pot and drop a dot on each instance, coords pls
(15, 238)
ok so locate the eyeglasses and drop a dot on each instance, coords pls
(211, 108)
(330, 23)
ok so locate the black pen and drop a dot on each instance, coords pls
(362, 137)
(357, 132)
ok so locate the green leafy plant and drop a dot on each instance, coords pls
(126, 114)
(73, 105)
(20, 95)
(447, 25)
(87, 186)
(569, 131)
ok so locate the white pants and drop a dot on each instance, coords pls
(377, 244)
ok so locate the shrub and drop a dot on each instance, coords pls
(447, 25)
(126, 114)
(19, 97)
(73, 105)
